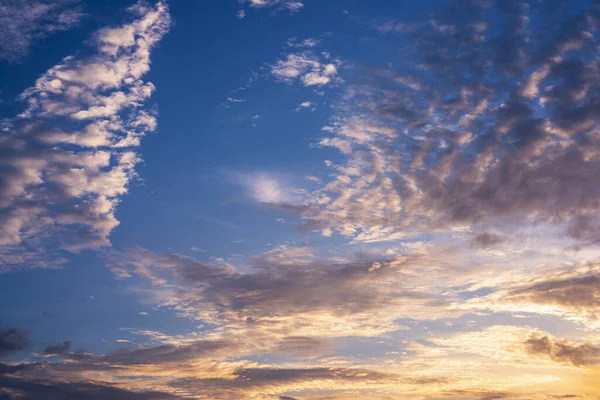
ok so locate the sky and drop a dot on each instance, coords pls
(300, 199)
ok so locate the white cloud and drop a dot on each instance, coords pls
(73, 191)
(308, 68)
(305, 105)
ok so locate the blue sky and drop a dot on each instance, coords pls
(296, 199)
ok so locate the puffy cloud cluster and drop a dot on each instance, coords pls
(24, 21)
(69, 157)
(489, 122)
(308, 68)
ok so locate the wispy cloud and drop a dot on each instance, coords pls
(22, 22)
(266, 188)
(306, 105)
(291, 5)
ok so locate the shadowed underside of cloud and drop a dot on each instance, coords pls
(562, 351)
(69, 157)
(285, 287)
(29, 380)
(577, 292)
(24, 21)
(199, 369)
(571, 294)
(56, 349)
(12, 340)
(19, 389)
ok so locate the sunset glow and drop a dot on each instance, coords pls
(300, 199)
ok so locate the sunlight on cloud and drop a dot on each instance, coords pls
(72, 152)
(447, 249)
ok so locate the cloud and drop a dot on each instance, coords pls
(305, 105)
(577, 354)
(553, 287)
(308, 68)
(70, 156)
(256, 378)
(57, 349)
(12, 340)
(25, 389)
(287, 287)
(485, 240)
(464, 189)
(445, 142)
(306, 43)
(23, 22)
(270, 189)
(291, 5)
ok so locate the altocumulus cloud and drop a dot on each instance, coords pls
(450, 141)
(68, 158)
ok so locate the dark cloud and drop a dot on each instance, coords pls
(162, 354)
(39, 381)
(23, 389)
(256, 378)
(11, 369)
(57, 349)
(304, 345)
(12, 340)
(578, 293)
(486, 240)
(563, 351)
(209, 349)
